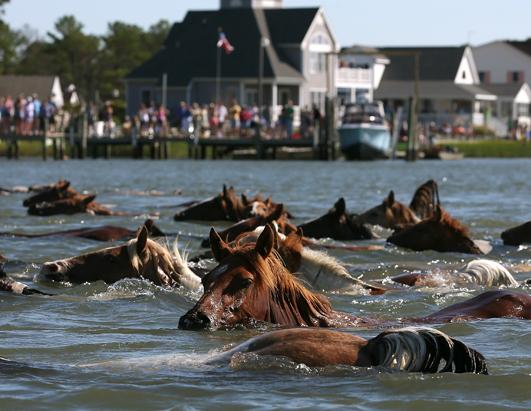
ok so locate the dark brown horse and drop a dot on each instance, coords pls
(225, 206)
(140, 257)
(103, 233)
(441, 233)
(50, 193)
(252, 284)
(425, 199)
(517, 235)
(409, 349)
(337, 224)
(490, 304)
(390, 214)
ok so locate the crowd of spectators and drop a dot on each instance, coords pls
(26, 115)
(220, 120)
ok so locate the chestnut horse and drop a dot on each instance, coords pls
(140, 257)
(441, 233)
(390, 214)
(60, 198)
(337, 224)
(412, 349)
(517, 235)
(252, 284)
(477, 272)
(226, 206)
(103, 233)
(425, 199)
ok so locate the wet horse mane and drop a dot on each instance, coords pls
(424, 349)
(452, 223)
(167, 264)
(290, 302)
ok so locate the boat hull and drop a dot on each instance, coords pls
(365, 142)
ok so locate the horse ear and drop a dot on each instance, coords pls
(340, 206)
(141, 240)
(299, 232)
(437, 213)
(390, 200)
(276, 213)
(219, 248)
(275, 238)
(245, 201)
(63, 184)
(265, 242)
(88, 199)
(224, 190)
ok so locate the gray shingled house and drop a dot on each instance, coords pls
(449, 86)
(297, 65)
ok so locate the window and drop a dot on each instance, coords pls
(317, 62)
(515, 77)
(320, 39)
(484, 77)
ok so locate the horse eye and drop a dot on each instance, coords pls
(246, 282)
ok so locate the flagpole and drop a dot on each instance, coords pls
(218, 74)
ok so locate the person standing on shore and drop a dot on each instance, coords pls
(287, 116)
(234, 113)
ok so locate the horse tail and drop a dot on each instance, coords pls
(420, 349)
(186, 276)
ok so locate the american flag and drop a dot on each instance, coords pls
(224, 43)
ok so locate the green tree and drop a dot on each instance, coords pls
(75, 55)
(11, 43)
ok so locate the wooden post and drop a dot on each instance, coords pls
(44, 139)
(411, 129)
(71, 138)
(54, 148)
(84, 136)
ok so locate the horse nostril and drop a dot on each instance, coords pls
(195, 321)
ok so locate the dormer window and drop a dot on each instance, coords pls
(463, 75)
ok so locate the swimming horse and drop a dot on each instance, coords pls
(140, 257)
(393, 214)
(252, 285)
(61, 198)
(517, 235)
(412, 349)
(337, 224)
(476, 272)
(226, 206)
(441, 233)
(103, 233)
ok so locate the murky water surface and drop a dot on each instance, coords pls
(129, 329)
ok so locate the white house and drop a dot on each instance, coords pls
(504, 61)
(358, 73)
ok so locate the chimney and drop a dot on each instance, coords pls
(255, 4)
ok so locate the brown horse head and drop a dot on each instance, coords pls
(425, 199)
(441, 233)
(138, 258)
(389, 214)
(58, 191)
(77, 204)
(225, 206)
(251, 284)
(517, 235)
(336, 224)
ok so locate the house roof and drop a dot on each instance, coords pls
(11, 85)
(435, 63)
(523, 46)
(437, 90)
(503, 89)
(190, 49)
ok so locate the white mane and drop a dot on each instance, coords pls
(187, 278)
(487, 272)
(325, 272)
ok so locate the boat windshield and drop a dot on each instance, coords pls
(362, 113)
